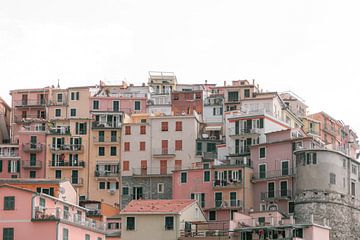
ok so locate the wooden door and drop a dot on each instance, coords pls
(163, 167)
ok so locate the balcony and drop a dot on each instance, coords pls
(107, 174)
(108, 140)
(93, 213)
(105, 125)
(285, 173)
(30, 103)
(163, 152)
(59, 148)
(28, 164)
(151, 172)
(32, 147)
(206, 156)
(331, 131)
(227, 184)
(67, 164)
(56, 214)
(19, 118)
(60, 130)
(272, 195)
(76, 181)
(243, 150)
(9, 154)
(33, 128)
(228, 204)
(245, 132)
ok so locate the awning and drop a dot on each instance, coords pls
(213, 128)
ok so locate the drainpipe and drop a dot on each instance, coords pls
(151, 147)
(244, 173)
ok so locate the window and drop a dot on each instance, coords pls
(178, 126)
(113, 151)
(183, 177)
(169, 223)
(160, 188)
(142, 129)
(311, 158)
(57, 112)
(127, 130)
(298, 233)
(142, 146)
(126, 165)
(137, 105)
(102, 185)
(262, 171)
(178, 145)
(65, 234)
(291, 207)
(164, 126)
(353, 187)
(233, 96)
(80, 128)
(126, 146)
(344, 163)
(116, 106)
(262, 152)
(9, 203)
(95, 104)
(113, 136)
(32, 174)
(87, 237)
(332, 178)
(59, 98)
(0, 165)
(130, 223)
(75, 96)
(212, 215)
(246, 93)
(206, 176)
(200, 197)
(353, 169)
(58, 174)
(262, 207)
(73, 112)
(8, 233)
(42, 203)
(198, 148)
(125, 191)
(101, 151)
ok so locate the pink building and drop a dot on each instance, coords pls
(25, 213)
(273, 177)
(9, 161)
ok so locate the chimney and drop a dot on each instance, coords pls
(205, 81)
(224, 83)
(254, 82)
(143, 84)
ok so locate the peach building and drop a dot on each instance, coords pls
(9, 161)
(159, 219)
(5, 112)
(25, 213)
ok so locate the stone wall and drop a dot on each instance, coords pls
(342, 212)
(149, 185)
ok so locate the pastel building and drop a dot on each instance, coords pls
(213, 112)
(28, 122)
(9, 161)
(274, 170)
(67, 137)
(25, 213)
(153, 146)
(221, 190)
(186, 99)
(295, 103)
(159, 219)
(238, 91)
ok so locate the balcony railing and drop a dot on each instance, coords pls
(101, 140)
(66, 147)
(33, 128)
(272, 174)
(32, 147)
(30, 103)
(160, 152)
(242, 150)
(29, 117)
(8, 154)
(63, 130)
(280, 194)
(102, 125)
(70, 164)
(227, 183)
(150, 171)
(53, 214)
(31, 164)
(244, 131)
(107, 174)
(209, 155)
(228, 204)
(77, 181)
(93, 213)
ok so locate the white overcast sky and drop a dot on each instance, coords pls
(309, 47)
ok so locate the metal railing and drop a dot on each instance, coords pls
(51, 214)
(152, 171)
(33, 128)
(272, 174)
(101, 125)
(60, 130)
(227, 183)
(30, 102)
(9, 154)
(31, 164)
(242, 150)
(32, 147)
(74, 163)
(228, 204)
(280, 194)
(243, 131)
(66, 147)
(75, 181)
(163, 151)
(112, 139)
(107, 174)
(29, 117)
(209, 155)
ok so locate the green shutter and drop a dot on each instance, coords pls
(18, 166)
(0, 165)
(9, 166)
(192, 196)
(77, 128)
(52, 191)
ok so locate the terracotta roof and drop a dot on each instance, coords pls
(158, 206)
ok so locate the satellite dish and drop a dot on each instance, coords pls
(62, 190)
